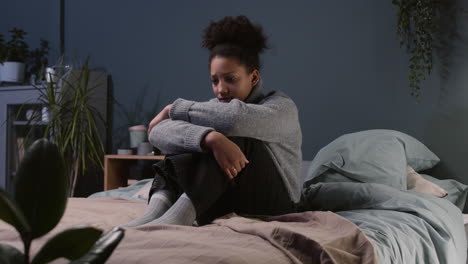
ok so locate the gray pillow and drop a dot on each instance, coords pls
(373, 156)
(457, 191)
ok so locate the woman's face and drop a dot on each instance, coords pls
(230, 79)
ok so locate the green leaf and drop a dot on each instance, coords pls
(103, 248)
(10, 213)
(71, 244)
(41, 187)
(10, 255)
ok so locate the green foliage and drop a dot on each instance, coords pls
(9, 213)
(2, 48)
(74, 121)
(10, 255)
(103, 248)
(45, 210)
(136, 114)
(70, 244)
(17, 50)
(424, 26)
(47, 199)
(37, 61)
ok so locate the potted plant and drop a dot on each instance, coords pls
(41, 186)
(17, 61)
(13, 56)
(74, 122)
(37, 61)
(135, 115)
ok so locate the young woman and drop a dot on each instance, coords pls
(239, 152)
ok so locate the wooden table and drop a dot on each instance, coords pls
(116, 169)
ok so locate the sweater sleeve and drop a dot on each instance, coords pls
(271, 120)
(177, 136)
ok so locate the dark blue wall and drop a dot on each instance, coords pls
(339, 60)
(40, 20)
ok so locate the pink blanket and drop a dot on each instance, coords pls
(308, 237)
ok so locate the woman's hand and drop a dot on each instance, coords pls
(228, 155)
(164, 114)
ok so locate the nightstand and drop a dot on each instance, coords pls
(116, 169)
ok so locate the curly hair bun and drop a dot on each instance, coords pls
(237, 31)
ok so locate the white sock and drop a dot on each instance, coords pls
(159, 203)
(417, 183)
(181, 213)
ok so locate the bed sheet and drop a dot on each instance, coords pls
(308, 237)
(404, 226)
(123, 192)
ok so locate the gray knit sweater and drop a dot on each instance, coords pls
(272, 118)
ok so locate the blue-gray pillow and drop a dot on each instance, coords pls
(373, 156)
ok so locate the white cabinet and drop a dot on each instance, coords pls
(19, 112)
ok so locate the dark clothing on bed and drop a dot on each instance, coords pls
(257, 190)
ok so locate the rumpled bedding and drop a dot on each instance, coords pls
(404, 226)
(307, 237)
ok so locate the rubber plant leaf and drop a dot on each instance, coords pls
(71, 244)
(10, 255)
(103, 248)
(11, 214)
(41, 187)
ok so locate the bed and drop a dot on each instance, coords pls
(354, 210)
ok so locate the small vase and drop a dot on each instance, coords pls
(137, 135)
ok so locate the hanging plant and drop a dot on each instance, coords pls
(426, 27)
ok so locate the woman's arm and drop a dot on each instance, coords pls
(177, 136)
(164, 114)
(228, 155)
(271, 120)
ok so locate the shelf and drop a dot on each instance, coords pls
(116, 169)
(30, 123)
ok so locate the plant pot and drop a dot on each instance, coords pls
(137, 135)
(12, 72)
